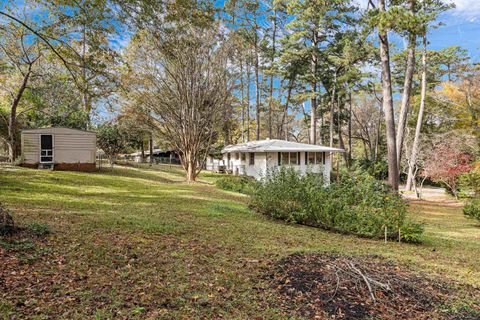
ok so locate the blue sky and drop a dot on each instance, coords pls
(461, 26)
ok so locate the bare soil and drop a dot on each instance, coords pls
(332, 286)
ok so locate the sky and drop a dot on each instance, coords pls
(461, 27)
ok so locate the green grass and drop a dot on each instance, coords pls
(140, 243)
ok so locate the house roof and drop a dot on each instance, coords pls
(274, 145)
(63, 130)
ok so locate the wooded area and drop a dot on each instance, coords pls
(196, 76)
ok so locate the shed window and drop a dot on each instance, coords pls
(251, 160)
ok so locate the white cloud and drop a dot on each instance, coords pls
(467, 8)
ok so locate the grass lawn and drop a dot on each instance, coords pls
(140, 243)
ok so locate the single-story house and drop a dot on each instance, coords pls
(256, 158)
(59, 149)
(159, 155)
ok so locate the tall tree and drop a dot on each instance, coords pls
(19, 56)
(312, 28)
(186, 88)
(387, 96)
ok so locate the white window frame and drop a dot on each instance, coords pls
(52, 151)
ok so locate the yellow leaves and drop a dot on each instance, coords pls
(462, 101)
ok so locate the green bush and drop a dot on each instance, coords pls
(242, 184)
(39, 229)
(377, 169)
(470, 181)
(472, 209)
(359, 205)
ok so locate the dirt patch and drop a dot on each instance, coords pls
(331, 286)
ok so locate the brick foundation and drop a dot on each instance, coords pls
(87, 167)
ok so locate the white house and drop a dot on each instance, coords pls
(256, 158)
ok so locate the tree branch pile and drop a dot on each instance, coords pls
(331, 286)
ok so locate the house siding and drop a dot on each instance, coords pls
(268, 161)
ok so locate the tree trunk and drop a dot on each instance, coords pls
(332, 108)
(313, 100)
(150, 140)
(407, 91)
(257, 85)
(270, 102)
(248, 100)
(283, 128)
(349, 162)
(416, 140)
(242, 88)
(143, 152)
(388, 105)
(12, 119)
(313, 116)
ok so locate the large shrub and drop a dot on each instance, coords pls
(358, 205)
(472, 208)
(242, 184)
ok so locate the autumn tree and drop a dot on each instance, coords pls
(186, 87)
(447, 162)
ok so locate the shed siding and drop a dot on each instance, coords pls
(70, 146)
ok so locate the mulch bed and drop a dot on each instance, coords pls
(332, 286)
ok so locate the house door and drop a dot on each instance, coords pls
(46, 148)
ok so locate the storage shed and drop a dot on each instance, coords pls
(59, 149)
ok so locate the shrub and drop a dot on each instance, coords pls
(359, 205)
(470, 181)
(377, 169)
(6, 221)
(242, 184)
(39, 229)
(472, 208)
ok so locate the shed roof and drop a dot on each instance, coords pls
(62, 130)
(147, 152)
(275, 145)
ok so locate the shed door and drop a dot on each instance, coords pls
(46, 148)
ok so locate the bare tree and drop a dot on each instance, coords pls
(186, 87)
(413, 157)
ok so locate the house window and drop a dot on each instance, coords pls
(244, 156)
(289, 158)
(311, 158)
(251, 159)
(315, 158)
(237, 156)
(318, 158)
(294, 158)
(284, 156)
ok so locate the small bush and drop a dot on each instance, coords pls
(472, 209)
(359, 205)
(7, 225)
(242, 184)
(38, 229)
